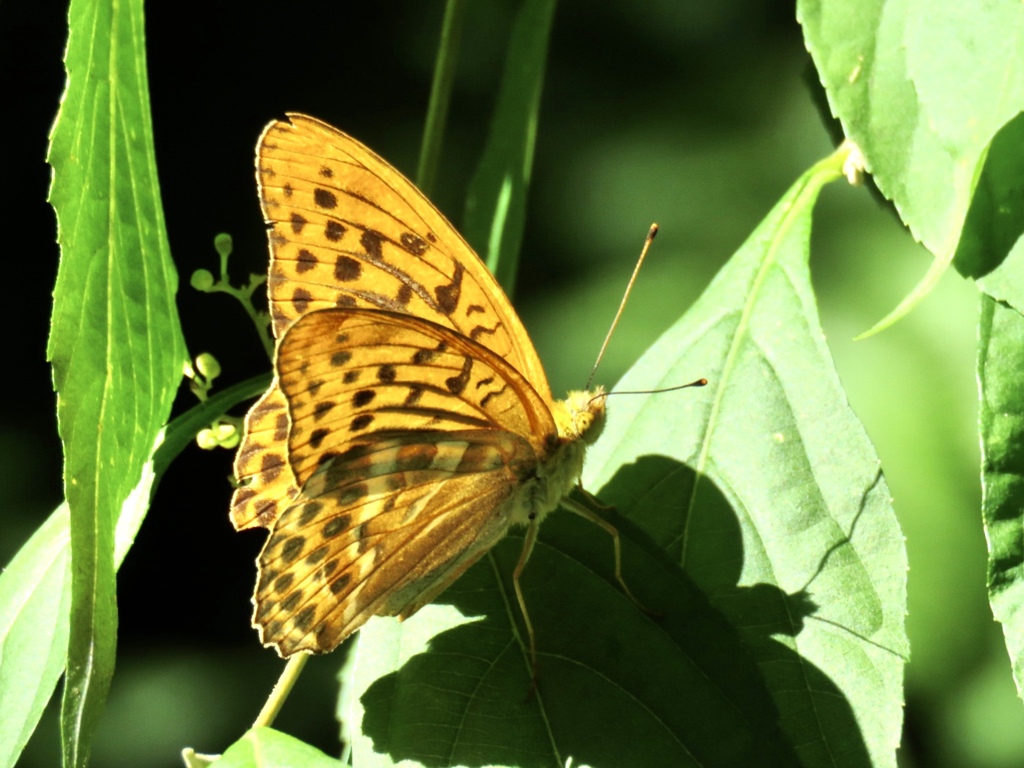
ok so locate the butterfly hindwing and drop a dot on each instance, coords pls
(262, 462)
(382, 525)
(409, 443)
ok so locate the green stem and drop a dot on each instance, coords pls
(440, 95)
(284, 686)
(183, 429)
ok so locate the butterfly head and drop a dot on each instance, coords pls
(581, 415)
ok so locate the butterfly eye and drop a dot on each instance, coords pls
(595, 418)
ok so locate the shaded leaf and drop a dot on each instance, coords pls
(990, 250)
(440, 95)
(1000, 362)
(451, 686)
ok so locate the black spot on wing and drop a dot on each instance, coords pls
(325, 199)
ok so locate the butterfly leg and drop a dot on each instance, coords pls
(612, 531)
(528, 541)
(592, 499)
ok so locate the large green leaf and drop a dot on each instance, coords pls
(1000, 362)
(922, 86)
(115, 342)
(615, 686)
(755, 522)
(770, 496)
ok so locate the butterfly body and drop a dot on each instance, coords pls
(410, 423)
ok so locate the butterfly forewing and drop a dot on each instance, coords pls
(346, 229)
(349, 230)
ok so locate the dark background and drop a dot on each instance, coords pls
(693, 114)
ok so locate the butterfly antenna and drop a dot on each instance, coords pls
(676, 388)
(625, 297)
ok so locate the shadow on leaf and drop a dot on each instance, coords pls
(697, 684)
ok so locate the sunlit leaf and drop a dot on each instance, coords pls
(768, 493)
(35, 594)
(115, 342)
(922, 87)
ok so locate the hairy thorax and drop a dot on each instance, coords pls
(580, 419)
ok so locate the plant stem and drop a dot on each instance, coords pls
(281, 690)
(440, 95)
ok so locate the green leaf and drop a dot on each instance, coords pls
(1000, 362)
(754, 520)
(615, 686)
(922, 87)
(267, 748)
(35, 595)
(991, 250)
(784, 521)
(35, 600)
(115, 342)
(496, 201)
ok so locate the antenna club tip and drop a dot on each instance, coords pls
(652, 231)
(700, 383)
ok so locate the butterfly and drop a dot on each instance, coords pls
(410, 423)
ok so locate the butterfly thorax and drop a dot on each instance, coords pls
(579, 420)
